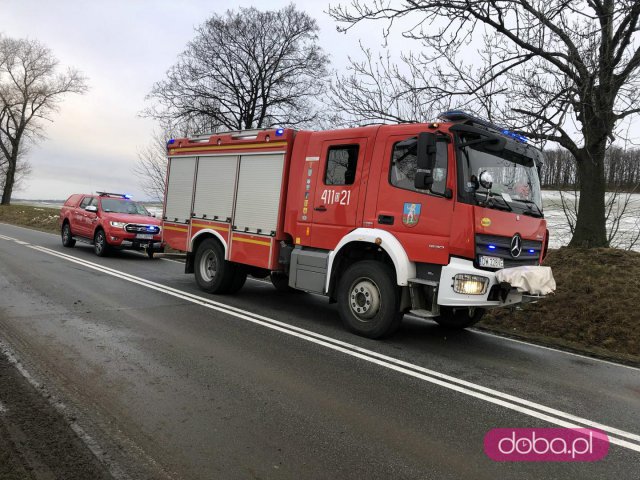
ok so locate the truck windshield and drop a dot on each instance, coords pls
(514, 178)
(117, 205)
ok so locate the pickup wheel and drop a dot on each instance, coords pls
(213, 273)
(459, 318)
(150, 252)
(67, 239)
(369, 299)
(100, 245)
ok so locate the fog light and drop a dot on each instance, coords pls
(470, 284)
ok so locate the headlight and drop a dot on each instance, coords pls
(470, 284)
(117, 224)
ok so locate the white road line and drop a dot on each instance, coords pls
(494, 335)
(462, 386)
(3, 409)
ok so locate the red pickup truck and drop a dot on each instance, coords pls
(108, 221)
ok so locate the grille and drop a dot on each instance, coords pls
(530, 251)
(136, 228)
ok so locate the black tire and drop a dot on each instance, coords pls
(281, 282)
(239, 277)
(100, 245)
(213, 273)
(369, 299)
(150, 252)
(459, 318)
(67, 239)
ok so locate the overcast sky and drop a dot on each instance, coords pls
(123, 47)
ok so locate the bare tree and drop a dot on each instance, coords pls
(151, 166)
(246, 69)
(31, 88)
(563, 71)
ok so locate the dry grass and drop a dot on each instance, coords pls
(38, 218)
(596, 308)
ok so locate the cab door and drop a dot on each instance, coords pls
(78, 222)
(420, 219)
(335, 207)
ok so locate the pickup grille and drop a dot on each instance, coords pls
(137, 228)
(530, 251)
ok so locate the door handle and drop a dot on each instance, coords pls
(386, 219)
(321, 208)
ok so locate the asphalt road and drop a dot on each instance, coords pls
(172, 383)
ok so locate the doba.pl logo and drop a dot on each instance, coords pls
(546, 444)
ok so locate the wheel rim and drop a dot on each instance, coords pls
(364, 299)
(209, 266)
(65, 233)
(99, 242)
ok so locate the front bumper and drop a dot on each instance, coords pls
(496, 295)
(121, 239)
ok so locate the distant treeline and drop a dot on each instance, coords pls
(622, 169)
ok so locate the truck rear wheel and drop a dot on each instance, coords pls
(213, 273)
(67, 239)
(459, 318)
(369, 299)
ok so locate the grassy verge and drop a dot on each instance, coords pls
(38, 218)
(595, 310)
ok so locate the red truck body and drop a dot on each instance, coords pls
(306, 206)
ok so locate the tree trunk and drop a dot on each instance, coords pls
(590, 229)
(8, 182)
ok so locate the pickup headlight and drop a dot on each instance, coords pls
(470, 284)
(117, 224)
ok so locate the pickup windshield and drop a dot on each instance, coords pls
(117, 205)
(514, 178)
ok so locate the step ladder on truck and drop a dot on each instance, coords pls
(442, 220)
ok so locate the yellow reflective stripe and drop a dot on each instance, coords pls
(213, 227)
(226, 147)
(177, 229)
(251, 240)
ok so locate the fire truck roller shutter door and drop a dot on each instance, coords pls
(405, 269)
(180, 189)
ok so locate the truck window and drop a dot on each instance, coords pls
(85, 202)
(342, 161)
(404, 164)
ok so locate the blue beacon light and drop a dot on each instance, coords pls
(279, 132)
(492, 247)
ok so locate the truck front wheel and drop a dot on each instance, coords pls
(369, 299)
(459, 318)
(100, 245)
(213, 273)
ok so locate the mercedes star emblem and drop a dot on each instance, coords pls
(516, 245)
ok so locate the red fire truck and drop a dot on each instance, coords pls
(383, 219)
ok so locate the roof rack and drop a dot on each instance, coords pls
(235, 133)
(462, 116)
(110, 194)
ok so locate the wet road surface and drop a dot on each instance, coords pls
(175, 383)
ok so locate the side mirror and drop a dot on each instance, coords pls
(91, 208)
(426, 160)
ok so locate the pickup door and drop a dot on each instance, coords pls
(83, 221)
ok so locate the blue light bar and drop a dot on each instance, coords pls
(127, 196)
(492, 247)
(515, 136)
(172, 141)
(279, 132)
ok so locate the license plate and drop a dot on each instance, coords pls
(491, 262)
(144, 236)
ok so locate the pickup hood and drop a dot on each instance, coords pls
(130, 218)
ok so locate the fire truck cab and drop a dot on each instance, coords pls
(426, 218)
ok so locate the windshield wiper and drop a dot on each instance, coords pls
(502, 206)
(530, 204)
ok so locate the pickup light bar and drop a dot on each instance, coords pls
(110, 194)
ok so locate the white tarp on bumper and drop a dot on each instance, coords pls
(533, 280)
